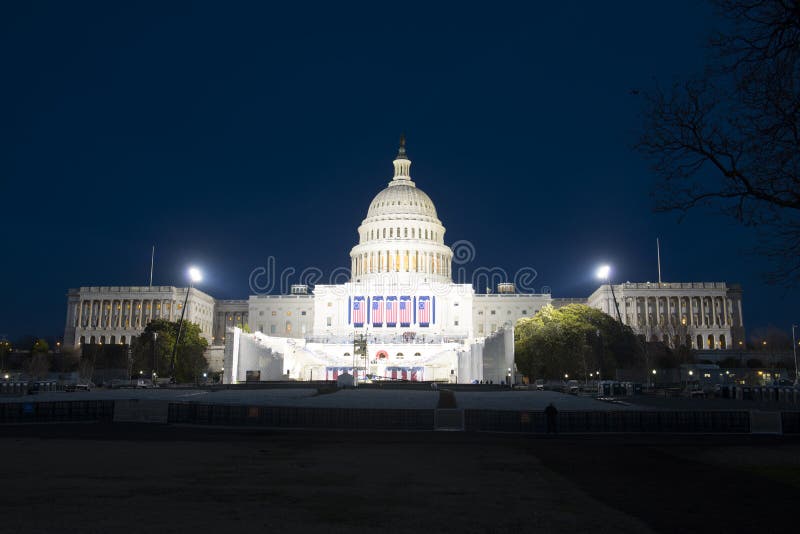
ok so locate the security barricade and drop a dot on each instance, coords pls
(300, 417)
(54, 412)
(612, 421)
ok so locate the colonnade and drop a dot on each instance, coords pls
(124, 313)
(696, 311)
(414, 261)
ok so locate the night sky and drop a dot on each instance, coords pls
(228, 133)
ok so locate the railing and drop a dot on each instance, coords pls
(673, 285)
(301, 417)
(601, 421)
(54, 412)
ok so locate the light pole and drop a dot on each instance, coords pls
(794, 349)
(604, 273)
(155, 363)
(194, 276)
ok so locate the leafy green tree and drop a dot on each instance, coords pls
(40, 347)
(573, 340)
(154, 352)
(5, 350)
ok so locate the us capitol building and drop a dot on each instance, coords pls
(417, 323)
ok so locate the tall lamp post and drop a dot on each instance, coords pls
(794, 348)
(194, 276)
(604, 273)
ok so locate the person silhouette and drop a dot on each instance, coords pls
(551, 415)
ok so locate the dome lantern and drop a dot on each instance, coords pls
(402, 165)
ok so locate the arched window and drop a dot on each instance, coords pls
(722, 344)
(346, 354)
(699, 342)
(710, 341)
(399, 355)
(83, 340)
(405, 232)
(113, 340)
(102, 340)
(288, 327)
(417, 354)
(384, 233)
(391, 232)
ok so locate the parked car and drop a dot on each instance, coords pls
(573, 387)
(539, 383)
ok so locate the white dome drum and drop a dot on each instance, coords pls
(402, 237)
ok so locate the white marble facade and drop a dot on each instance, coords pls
(400, 293)
(701, 315)
(115, 314)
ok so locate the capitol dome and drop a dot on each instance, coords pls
(401, 234)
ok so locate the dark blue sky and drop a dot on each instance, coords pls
(232, 132)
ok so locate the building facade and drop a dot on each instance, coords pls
(115, 314)
(402, 299)
(699, 315)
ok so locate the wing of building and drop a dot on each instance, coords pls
(401, 299)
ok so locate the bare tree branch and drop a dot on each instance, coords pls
(729, 138)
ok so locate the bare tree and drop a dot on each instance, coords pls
(729, 138)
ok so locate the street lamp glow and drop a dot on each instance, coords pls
(195, 275)
(654, 371)
(603, 272)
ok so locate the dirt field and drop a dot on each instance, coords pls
(98, 478)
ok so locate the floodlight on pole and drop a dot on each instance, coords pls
(604, 273)
(195, 276)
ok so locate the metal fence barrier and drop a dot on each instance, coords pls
(622, 421)
(296, 417)
(53, 412)
(790, 422)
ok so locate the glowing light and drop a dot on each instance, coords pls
(603, 272)
(195, 275)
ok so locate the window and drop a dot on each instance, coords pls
(480, 329)
(328, 321)
(303, 312)
(288, 327)
(492, 312)
(455, 304)
(480, 312)
(330, 304)
(524, 312)
(288, 314)
(417, 354)
(272, 329)
(455, 323)
(274, 313)
(261, 313)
